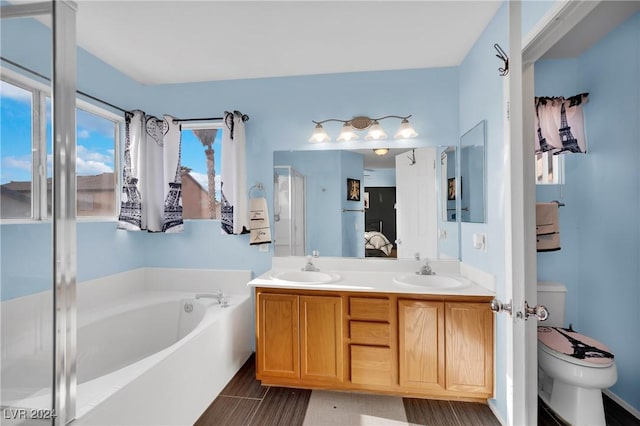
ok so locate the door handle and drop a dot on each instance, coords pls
(539, 311)
(498, 306)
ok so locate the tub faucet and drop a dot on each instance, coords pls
(217, 295)
(310, 266)
(425, 269)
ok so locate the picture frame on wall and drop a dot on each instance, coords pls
(366, 200)
(353, 189)
(451, 188)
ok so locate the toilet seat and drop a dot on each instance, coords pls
(574, 348)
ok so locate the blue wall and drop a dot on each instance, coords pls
(281, 110)
(380, 177)
(481, 98)
(352, 165)
(600, 230)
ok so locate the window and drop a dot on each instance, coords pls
(549, 169)
(15, 151)
(26, 149)
(200, 159)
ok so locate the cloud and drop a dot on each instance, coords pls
(93, 123)
(12, 92)
(203, 180)
(22, 163)
(90, 167)
(84, 153)
(83, 134)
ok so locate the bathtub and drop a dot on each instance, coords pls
(148, 352)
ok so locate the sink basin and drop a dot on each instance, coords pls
(435, 282)
(306, 277)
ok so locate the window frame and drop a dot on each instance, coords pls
(555, 166)
(40, 92)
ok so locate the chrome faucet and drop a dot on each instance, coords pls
(217, 295)
(425, 269)
(310, 266)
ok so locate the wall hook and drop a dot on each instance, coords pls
(503, 57)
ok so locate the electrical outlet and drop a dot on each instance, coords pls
(263, 248)
(480, 241)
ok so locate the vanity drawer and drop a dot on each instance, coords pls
(370, 365)
(369, 333)
(371, 309)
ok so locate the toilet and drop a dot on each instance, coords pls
(572, 368)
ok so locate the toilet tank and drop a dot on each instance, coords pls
(552, 296)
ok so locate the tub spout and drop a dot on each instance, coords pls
(218, 296)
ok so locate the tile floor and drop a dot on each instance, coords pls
(245, 402)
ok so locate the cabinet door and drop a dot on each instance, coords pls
(421, 344)
(321, 338)
(469, 338)
(278, 344)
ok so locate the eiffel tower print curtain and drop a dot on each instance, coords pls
(151, 189)
(234, 210)
(560, 124)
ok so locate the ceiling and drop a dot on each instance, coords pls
(164, 42)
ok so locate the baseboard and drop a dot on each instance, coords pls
(635, 413)
(494, 410)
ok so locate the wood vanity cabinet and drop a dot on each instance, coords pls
(299, 337)
(404, 344)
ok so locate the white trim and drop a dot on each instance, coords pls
(496, 412)
(557, 22)
(621, 402)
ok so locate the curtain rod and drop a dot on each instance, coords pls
(102, 101)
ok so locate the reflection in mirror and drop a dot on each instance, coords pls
(471, 187)
(448, 184)
(337, 224)
(288, 211)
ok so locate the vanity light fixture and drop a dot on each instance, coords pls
(350, 128)
(381, 151)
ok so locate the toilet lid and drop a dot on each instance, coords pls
(575, 345)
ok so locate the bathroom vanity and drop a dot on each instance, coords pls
(382, 332)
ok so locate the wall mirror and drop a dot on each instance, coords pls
(470, 187)
(396, 213)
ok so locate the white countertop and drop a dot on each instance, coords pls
(376, 280)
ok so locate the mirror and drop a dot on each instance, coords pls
(471, 186)
(349, 203)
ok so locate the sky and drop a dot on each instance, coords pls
(95, 142)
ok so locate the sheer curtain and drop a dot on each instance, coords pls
(152, 188)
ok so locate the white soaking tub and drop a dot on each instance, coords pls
(148, 352)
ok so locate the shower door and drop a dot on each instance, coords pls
(38, 269)
(289, 211)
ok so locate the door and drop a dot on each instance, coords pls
(469, 343)
(321, 338)
(416, 210)
(421, 344)
(278, 345)
(520, 241)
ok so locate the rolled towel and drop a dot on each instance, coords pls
(259, 228)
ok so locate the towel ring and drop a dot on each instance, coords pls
(258, 187)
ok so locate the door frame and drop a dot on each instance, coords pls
(520, 199)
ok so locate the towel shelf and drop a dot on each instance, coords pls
(353, 210)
